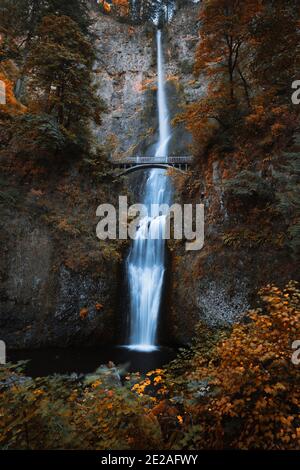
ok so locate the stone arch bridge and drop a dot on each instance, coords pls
(131, 164)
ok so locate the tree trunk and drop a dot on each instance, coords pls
(246, 87)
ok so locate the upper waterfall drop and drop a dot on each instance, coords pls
(163, 113)
(146, 263)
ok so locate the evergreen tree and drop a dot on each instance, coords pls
(75, 9)
(158, 10)
(19, 20)
(60, 69)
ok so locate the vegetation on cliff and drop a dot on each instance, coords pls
(50, 162)
(248, 57)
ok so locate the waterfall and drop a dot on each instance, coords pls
(163, 115)
(146, 261)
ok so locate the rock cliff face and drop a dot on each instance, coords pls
(218, 284)
(126, 77)
(41, 299)
(125, 63)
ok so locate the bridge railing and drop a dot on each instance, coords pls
(175, 160)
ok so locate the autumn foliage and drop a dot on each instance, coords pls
(237, 389)
(247, 58)
(120, 7)
(253, 396)
(12, 107)
(244, 121)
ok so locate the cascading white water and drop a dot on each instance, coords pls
(146, 261)
(163, 114)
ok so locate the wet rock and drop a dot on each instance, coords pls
(108, 376)
(126, 77)
(40, 305)
(15, 380)
(221, 307)
(219, 284)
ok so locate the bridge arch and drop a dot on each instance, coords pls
(148, 166)
(131, 164)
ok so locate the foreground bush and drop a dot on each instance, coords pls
(237, 389)
(250, 397)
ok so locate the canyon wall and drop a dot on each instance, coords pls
(59, 286)
(49, 296)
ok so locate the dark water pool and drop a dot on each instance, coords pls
(82, 360)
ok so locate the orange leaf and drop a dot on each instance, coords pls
(84, 313)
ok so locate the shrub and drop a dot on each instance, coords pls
(248, 187)
(253, 397)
